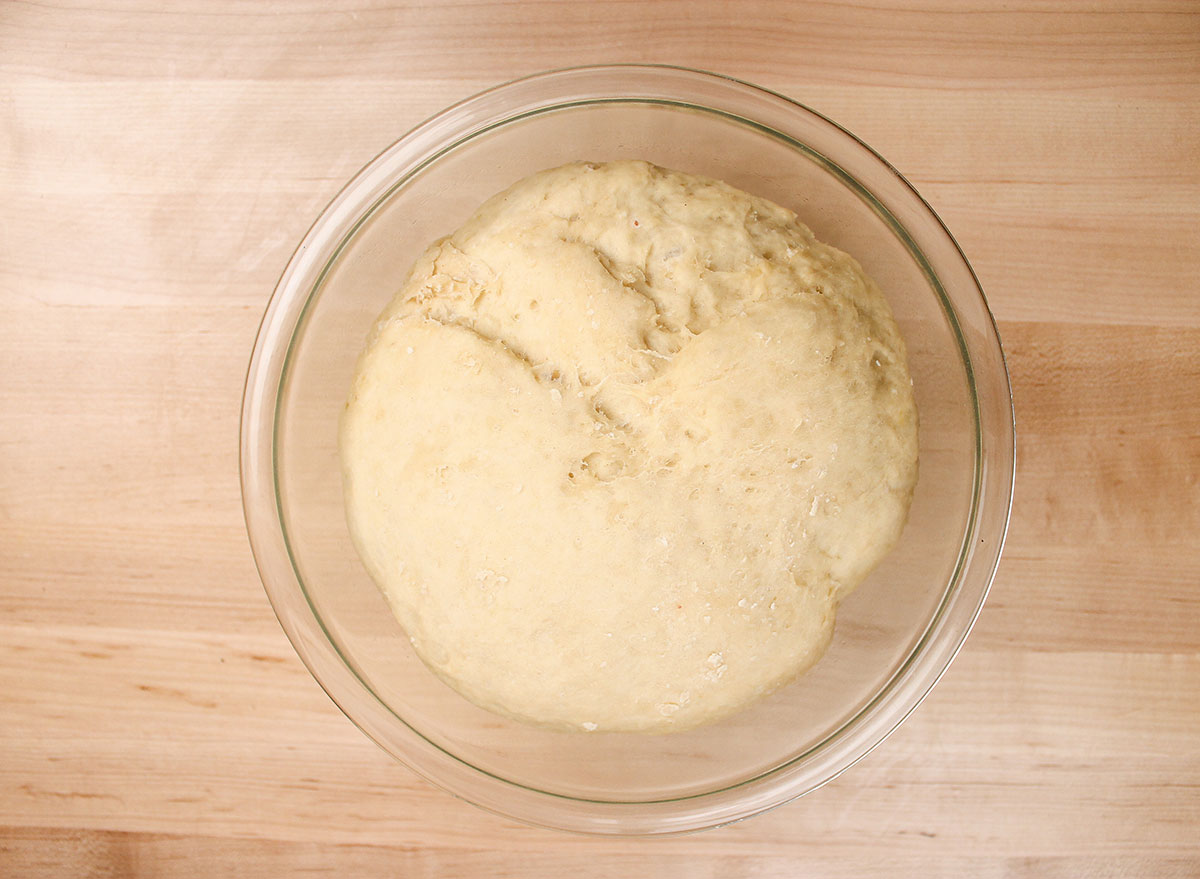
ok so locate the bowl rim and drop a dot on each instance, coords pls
(267, 376)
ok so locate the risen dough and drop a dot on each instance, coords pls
(620, 444)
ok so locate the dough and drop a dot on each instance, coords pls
(621, 443)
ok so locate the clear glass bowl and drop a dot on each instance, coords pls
(895, 635)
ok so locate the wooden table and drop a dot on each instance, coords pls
(159, 162)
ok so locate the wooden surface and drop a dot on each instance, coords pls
(159, 162)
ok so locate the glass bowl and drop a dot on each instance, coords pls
(895, 634)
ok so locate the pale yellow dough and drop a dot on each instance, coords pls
(622, 442)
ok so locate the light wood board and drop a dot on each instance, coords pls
(158, 163)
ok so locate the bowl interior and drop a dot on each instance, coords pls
(879, 627)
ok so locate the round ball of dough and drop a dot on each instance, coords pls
(621, 443)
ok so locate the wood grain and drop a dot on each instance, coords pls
(158, 164)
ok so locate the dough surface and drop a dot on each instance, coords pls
(621, 443)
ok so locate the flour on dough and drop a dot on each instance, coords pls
(621, 443)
